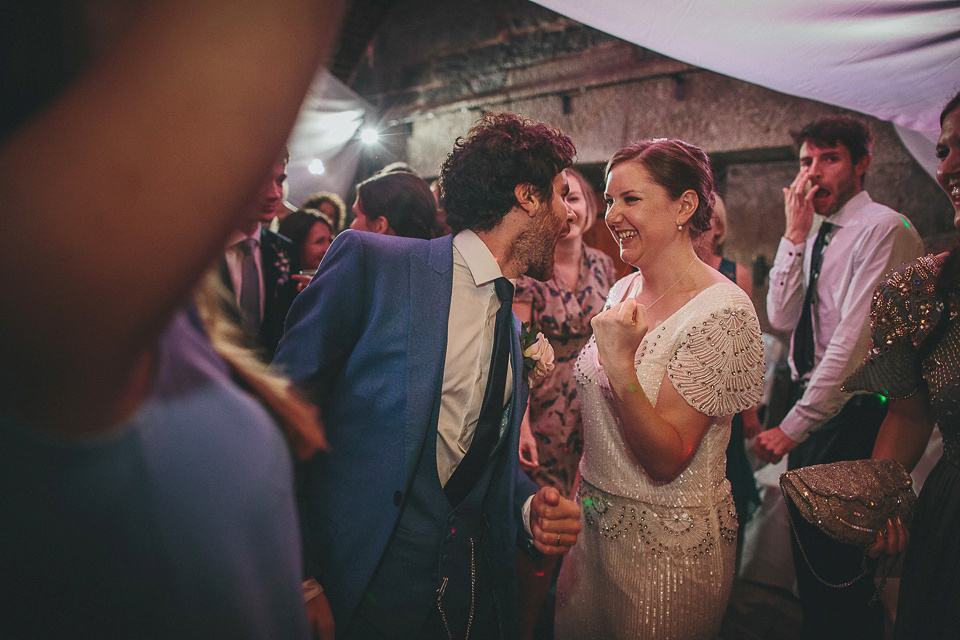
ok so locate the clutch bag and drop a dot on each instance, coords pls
(851, 500)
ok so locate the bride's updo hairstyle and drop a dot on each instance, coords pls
(676, 166)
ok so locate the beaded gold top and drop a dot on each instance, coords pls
(904, 313)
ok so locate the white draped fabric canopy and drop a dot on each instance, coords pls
(324, 146)
(896, 60)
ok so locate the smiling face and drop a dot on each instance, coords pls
(576, 201)
(834, 172)
(271, 194)
(269, 198)
(641, 215)
(315, 245)
(948, 151)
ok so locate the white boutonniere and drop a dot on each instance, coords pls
(537, 353)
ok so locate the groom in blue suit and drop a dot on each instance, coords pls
(412, 518)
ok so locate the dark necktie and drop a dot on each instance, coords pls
(468, 472)
(249, 289)
(804, 349)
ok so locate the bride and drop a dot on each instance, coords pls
(676, 352)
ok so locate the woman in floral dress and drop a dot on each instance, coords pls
(551, 439)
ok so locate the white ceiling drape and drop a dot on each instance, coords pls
(896, 60)
(326, 131)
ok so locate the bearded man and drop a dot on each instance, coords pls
(411, 350)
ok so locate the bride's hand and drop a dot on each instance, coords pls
(618, 332)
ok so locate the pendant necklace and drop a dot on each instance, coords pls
(670, 288)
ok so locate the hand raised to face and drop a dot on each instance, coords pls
(798, 206)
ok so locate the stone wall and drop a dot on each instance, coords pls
(435, 67)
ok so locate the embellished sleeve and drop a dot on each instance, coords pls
(902, 314)
(718, 366)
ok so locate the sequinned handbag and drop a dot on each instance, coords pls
(850, 501)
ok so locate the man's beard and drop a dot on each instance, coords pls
(535, 246)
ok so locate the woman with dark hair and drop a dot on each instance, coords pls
(311, 233)
(396, 203)
(914, 362)
(675, 353)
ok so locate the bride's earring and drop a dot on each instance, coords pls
(680, 228)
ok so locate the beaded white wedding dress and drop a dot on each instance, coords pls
(655, 560)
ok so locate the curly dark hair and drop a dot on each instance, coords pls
(677, 166)
(501, 151)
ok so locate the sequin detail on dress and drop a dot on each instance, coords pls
(904, 312)
(655, 560)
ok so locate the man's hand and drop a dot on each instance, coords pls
(798, 207)
(773, 444)
(555, 522)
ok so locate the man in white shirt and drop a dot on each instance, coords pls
(821, 287)
(410, 347)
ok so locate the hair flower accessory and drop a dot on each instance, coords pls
(537, 353)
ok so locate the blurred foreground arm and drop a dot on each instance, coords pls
(125, 188)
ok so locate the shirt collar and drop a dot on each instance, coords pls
(236, 237)
(483, 266)
(850, 210)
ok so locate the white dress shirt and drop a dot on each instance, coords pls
(470, 328)
(234, 257)
(869, 239)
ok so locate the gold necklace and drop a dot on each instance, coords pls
(670, 288)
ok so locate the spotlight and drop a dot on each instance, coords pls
(369, 136)
(316, 167)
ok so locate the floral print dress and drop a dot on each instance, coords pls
(564, 318)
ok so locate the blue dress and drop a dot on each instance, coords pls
(179, 524)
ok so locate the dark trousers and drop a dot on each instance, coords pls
(469, 601)
(485, 624)
(830, 612)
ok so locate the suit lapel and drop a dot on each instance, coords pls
(431, 286)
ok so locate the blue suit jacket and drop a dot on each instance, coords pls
(367, 338)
